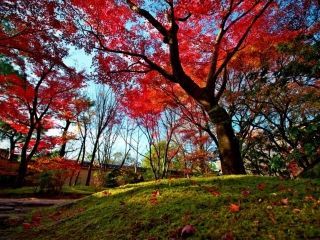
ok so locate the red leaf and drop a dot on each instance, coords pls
(285, 201)
(187, 231)
(26, 226)
(309, 198)
(245, 193)
(234, 208)
(228, 236)
(261, 186)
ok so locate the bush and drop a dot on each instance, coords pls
(118, 177)
(51, 181)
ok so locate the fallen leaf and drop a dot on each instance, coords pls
(228, 236)
(309, 198)
(26, 226)
(215, 193)
(285, 201)
(271, 217)
(156, 193)
(245, 193)
(261, 186)
(234, 208)
(106, 193)
(188, 231)
(296, 210)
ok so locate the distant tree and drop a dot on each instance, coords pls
(105, 114)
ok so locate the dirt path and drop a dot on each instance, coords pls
(14, 210)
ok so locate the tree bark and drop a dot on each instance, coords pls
(24, 160)
(12, 148)
(62, 151)
(95, 147)
(229, 148)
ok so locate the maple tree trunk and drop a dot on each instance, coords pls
(12, 148)
(229, 148)
(23, 159)
(62, 151)
(22, 170)
(95, 148)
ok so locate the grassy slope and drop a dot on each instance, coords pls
(129, 213)
(31, 191)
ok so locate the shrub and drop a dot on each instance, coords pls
(118, 177)
(51, 181)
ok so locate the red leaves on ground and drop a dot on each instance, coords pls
(213, 191)
(106, 193)
(35, 222)
(296, 210)
(261, 186)
(27, 226)
(245, 193)
(228, 236)
(36, 219)
(309, 198)
(188, 231)
(284, 201)
(154, 195)
(234, 208)
(272, 217)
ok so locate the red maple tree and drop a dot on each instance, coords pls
(182, 43)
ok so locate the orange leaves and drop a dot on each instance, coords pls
(106, 193)
(234, 208)
(213, 191)
(154, 197)
(53, 163)
(284, 201)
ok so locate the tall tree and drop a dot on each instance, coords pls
(30, 40)
(183, 43)
(105, 114)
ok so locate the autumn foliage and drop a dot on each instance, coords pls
(234, 81)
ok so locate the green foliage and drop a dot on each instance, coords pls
(119, 177)
(5, 67)
(313, 172)
(51, 181)
(306, 60)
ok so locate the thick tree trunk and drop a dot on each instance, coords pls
(229, 148)
(22, 170)
(25, 158)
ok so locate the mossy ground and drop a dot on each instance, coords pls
(32, 192)
(270, 208)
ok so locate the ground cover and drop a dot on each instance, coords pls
(229, 207)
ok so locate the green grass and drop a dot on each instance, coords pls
(30, 191)
(128, 212)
